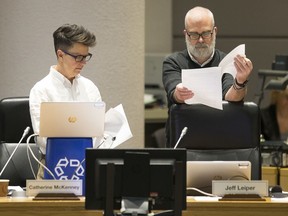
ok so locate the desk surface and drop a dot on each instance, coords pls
(156, 115)
(26, 206)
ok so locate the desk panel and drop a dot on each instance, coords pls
(236, 208)
(28, 207)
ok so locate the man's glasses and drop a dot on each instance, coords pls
(79, 58)
(196, 35)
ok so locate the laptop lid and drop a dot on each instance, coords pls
(201, 173)
(72, 119)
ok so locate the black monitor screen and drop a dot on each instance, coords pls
(159, 174)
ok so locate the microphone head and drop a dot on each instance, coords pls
(26, 131)
(184, 130)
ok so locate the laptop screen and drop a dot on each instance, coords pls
(201, 173)
(72, 119)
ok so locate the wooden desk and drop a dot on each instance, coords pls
(154, 119)
(156, 115)
(236, 208)
(28, 207)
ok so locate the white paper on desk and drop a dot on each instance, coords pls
(205, 198)
(284, 199)
(227, 63)
(205, 84)
(15, 188)
(116, 127)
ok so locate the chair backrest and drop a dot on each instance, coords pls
(18, 169)
(14, 118)
(229, 134)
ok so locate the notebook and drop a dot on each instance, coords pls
(72, 119)
(201, 173)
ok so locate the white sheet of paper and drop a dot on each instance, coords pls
(227, 63)
(205, 84)
(113, 122)
(116, 129)
(124, 133)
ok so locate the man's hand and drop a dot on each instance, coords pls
(244, 68)
(182, 93)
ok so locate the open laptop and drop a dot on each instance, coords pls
(201, 173)
(72, 119)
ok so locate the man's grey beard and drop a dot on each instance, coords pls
(200, 50)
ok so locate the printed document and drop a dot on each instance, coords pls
(116, 129)
(206, 82)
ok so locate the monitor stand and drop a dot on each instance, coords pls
(129, 205)
(134, 206)
(109, 207)
(142, 203)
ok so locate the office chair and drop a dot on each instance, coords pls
(159, 138)
(18, 169)
(229, 134)
(14, 118)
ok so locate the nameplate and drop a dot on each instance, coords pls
(34, 187)
(223, 187)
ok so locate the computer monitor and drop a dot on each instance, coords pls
(114, 175)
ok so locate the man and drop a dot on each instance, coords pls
(200, 36)
(64, 82)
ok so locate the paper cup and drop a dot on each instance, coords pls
(4, 187)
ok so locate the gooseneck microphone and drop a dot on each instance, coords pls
(183, 132)
(26, 131)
